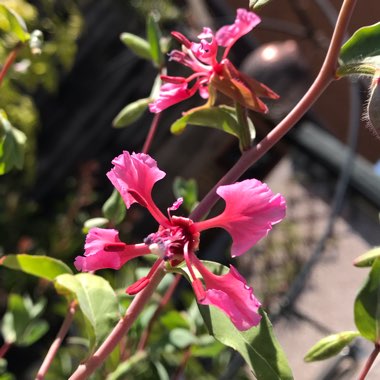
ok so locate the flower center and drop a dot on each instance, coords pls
(169, 243)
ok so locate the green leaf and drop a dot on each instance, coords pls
(258, 345)
(367, 305)
(137, 44)
(114, 208)
(222, 117)
(188, 190)
(181, 338)
(11, 22)
(96, 299)
(254, 4)
(330, 346)
(153, 33)
(173, 319)
(127, 366)
(94, 222)
(130, 113)
(368, 258)
(40, 266)
(19, 325)
(12, 145)
(361, 53)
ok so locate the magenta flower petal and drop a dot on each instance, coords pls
(244, 22)
(231, 294)
(171, 93)
(251, 210)
(103, 249)
(134, 176)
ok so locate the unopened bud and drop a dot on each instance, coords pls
(372, 114)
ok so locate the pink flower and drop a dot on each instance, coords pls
(201, 58)
(250, 211)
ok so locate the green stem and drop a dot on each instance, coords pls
(244, 135)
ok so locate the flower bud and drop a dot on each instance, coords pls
(372, 114)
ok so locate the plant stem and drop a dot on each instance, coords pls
(165, 299)
(151, 133)
(86, 369)
(4, 349)
(369, 362)
(58, 340)
(324, 78)
(9, 61)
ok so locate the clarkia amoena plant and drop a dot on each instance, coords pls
(251, 210)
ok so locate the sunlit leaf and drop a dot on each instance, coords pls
(12, 145)
(41, 266)
(258, 345)
(94, 222)
(11, 22)
(96, 299)
(330, 346)
(254, 4)
(361, 53)
(153, 33)
(19, 325)
(368, 258)
(181, 338)
(222, 117)
(137, 44)
(367, 305)
(130, 113)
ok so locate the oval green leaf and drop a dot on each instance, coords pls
(258, 345)
(254, 4)
(181, 338)
(368, 258)
(12, 145)
(114, 208)
(367, 305)
(361, 53)
(130, 113)
(96, 299)
(11, 22)
(40, 266)
(330, 346)
(137, 44)
(222, 117)
(153, 33)
(94, 222)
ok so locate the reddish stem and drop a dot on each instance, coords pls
(181, 368)
(58, 341)
(4, 349)
(123, 326)
(165, 299)
(369, 362)
(151, 133)
(9, 61)
(324, 78)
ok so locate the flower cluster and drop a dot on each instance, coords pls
(250, 211)
(209, 73)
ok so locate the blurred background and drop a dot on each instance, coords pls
(327, 168)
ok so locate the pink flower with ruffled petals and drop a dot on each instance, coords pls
(250, 211)
(202, 58)
(103, 249)
(231, 294)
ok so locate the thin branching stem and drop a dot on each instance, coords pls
(9, 61)
(369, 362)
(58, 340)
